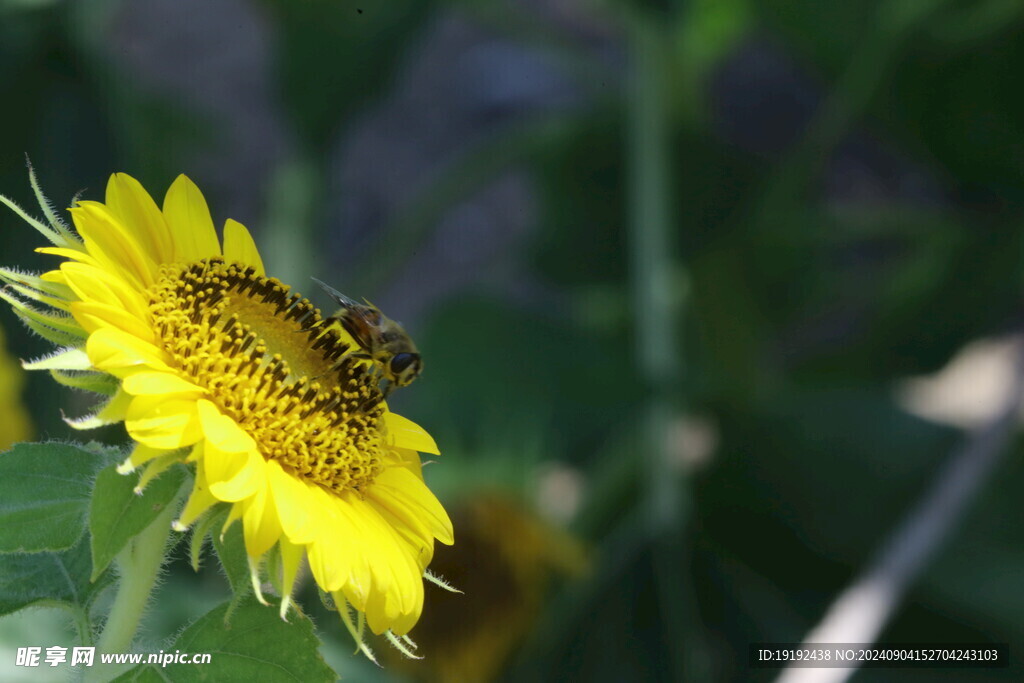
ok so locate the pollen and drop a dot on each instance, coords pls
(268, 360)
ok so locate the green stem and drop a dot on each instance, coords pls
(658, 297)
(655, 293)
(83, 625)
(138, 567)
(290, 219)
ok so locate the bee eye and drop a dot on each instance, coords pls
(401, 362)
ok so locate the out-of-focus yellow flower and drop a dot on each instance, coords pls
(209, 361)
(503, 565)
(15, 425)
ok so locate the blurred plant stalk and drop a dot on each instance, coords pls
(290, 217)
(658, 311)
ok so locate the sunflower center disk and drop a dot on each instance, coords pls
(269, 363)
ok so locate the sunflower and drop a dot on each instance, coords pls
(209, 361)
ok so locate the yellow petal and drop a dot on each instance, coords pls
(404, 622)
(199, 501)
(54, 276)
(336, 559)
(407, 458)
(221, 465)
(140, 456)
(291, 558)
(234, 467)
(165, 423)
(380, 547)
(235, 476)
(189, 219)
(397, 596)
(404, 433)
(113, 244)
(293, 500)
(400, 608)
(92, 315)
(406, 495)
(412, 531)
(90, 283)
(223, 432)
(234, 514)
(261, 526)
(122, 354)
(239, 246)
(136, 210)
(161, 383)
(70, 254)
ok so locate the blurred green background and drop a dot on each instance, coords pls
(668, 264)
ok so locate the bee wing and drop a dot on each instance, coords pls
(336, 295)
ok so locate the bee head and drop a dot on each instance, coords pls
(405, 367)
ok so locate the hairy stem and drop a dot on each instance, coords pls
(138, 565)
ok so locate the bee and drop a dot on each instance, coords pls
(382, 340)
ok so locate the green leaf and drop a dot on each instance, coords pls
(231, 551)
(44, 496)
(48, 577)
(257, 645)
(117, 513)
